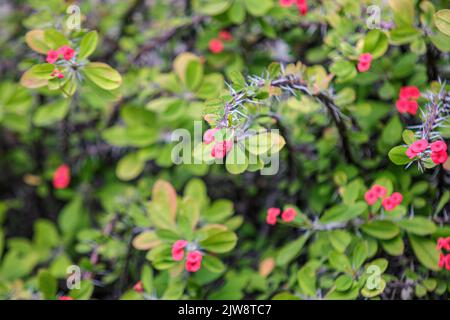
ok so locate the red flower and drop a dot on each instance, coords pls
(412, 107)
(388, 204)
(67, 52)
(442, 260)
(371, 197)
(272, 214)
(409, 92)
(419, 146)
(61, 177)
(221, 148)
(225, 35)
(447, 262)
(402, 105)
(302, 7)
(178, 250)
(439, 157)
(52, 56)
(288, 215)
(208, 136)
(364, 62)
(407, 101)
(397, 198)
(411, 154)
(193, 261)
(443, 243)
(138, 287)
(438, 146)
(286, 3)
(215, 46)
(65, 298)
(379, 191)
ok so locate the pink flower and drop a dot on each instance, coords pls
(52, 56)
(272, 214)
(402, 105)
(221, 148)
(61, 177)
(208, 136)
(288, 215)
(412, 107)
(371, 197)
(286, 3)
(65, 298)
(178, 250)
(438, 146)
(447, 262)
(67, 52)
(302, 7)
(364, 62)
(439, 157)
(409, 92)
(388, 204)
(138, 287)
(193, 261)
(442, 260)
(411, 154)
(397, 198)
(443, 243)
(215, 46)
(225, 35)
(419, 146)
(379, 191)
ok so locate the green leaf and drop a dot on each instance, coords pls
(408, 137)
(344, 70)
(45, 234)
(442, 21)
(55, 39)
(376, 43)
(365, 292)
(102, 75)
(236, 161)
(213, 264)
(146, 240)
(418, 225)
(306, 278)
(87, 45)
(343, 282)
(380, 229)
(394, 246)
(403, 12)
(425, 251)
(129, 167)
(220, 242)
(37, 76)
(147, 278)
(291, 250)
(35, 40)
(339, 239)
(236, 13)
(47, 285)
(359, 254)
(219, 210)
(194, 74)
(261, 143)
(404, 35)
(343, 213)
(84, 292)
(51, 113)
(398, 155)
(258, 8)
(340, 262)
(211, 7)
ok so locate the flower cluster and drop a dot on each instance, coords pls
(66, 52)
(437, 152)
(444, 259)
(193, 258)
(407, 100)
(61, 177)
(65, 298)
(287, 215)
(216, 44)
(302, 5)
(379, 192)
(220, 148)
(364, 61)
